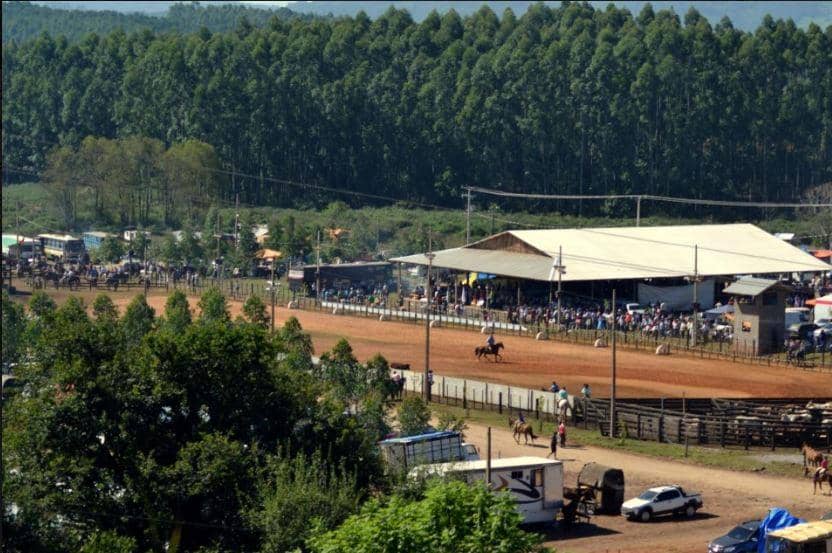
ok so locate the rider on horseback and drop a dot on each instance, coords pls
(823, 468)
(489, 343)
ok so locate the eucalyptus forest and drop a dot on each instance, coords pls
(569, 100)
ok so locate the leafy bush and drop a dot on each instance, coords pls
(453, 517)
(413, 415)
(299, 494)
(449, 421)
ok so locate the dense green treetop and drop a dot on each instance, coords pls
(138, 434)
(570, 99)
(25, 20)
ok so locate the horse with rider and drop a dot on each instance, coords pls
(491, 348)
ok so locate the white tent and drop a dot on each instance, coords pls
(823, 307)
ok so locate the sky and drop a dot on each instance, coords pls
(746, 14)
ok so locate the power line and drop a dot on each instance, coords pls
(310, 186)
(691, 201)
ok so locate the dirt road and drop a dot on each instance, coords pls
(730, 497)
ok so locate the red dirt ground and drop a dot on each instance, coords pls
(535, 364)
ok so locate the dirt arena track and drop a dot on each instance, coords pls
(535, 364)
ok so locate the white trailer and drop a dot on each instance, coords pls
(535, 483)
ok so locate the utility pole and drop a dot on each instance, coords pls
(217, 262)
(638, 211)
(559, 268)
(318, 269)
(237, 221)
(426, 391)
(695, 329)
(612, 371)
(468, 216)
(274, 261)
(488, 459)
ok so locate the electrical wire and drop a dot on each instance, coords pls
(690, 201)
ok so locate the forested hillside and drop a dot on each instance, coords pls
(24, 20)
(568, 99)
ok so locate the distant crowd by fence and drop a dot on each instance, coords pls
(470, 319)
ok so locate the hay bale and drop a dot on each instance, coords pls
(600, 343)
(663, 349)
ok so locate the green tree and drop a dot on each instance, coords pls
(41, 305)
(109, 542)
(299, 495)
(14, 327)
(177, 312)
(169, 251)
(177, 433)
(453, 516)
(213, 307)
(138, 319)
(111, 250)
(413, 415)
(255, 311)
(104, 310)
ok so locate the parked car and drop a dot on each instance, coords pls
(633, 308)
(796, 315)
(823, 327)
(803, 330)
(741, 539)
(663, 500)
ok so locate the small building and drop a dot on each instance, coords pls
(93, 239)
(342, 275)
(261, 233)
(759, 314)
(131, 233)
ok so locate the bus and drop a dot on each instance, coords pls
(64, 248)
(18, 246)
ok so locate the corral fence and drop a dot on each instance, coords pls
(695, 421)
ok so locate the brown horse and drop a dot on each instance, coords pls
(486, 351)
(521, 429)
(812, 456)
(818, 480)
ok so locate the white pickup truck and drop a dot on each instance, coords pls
(664, 500)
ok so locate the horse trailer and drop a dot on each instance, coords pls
(433, 447)
(535, 483)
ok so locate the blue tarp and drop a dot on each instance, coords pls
(777, 518)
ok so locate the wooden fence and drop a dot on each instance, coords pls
(636, 419)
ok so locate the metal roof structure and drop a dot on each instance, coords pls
(750, 286)
(802, 533)
(426, 437)
(627, 253)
